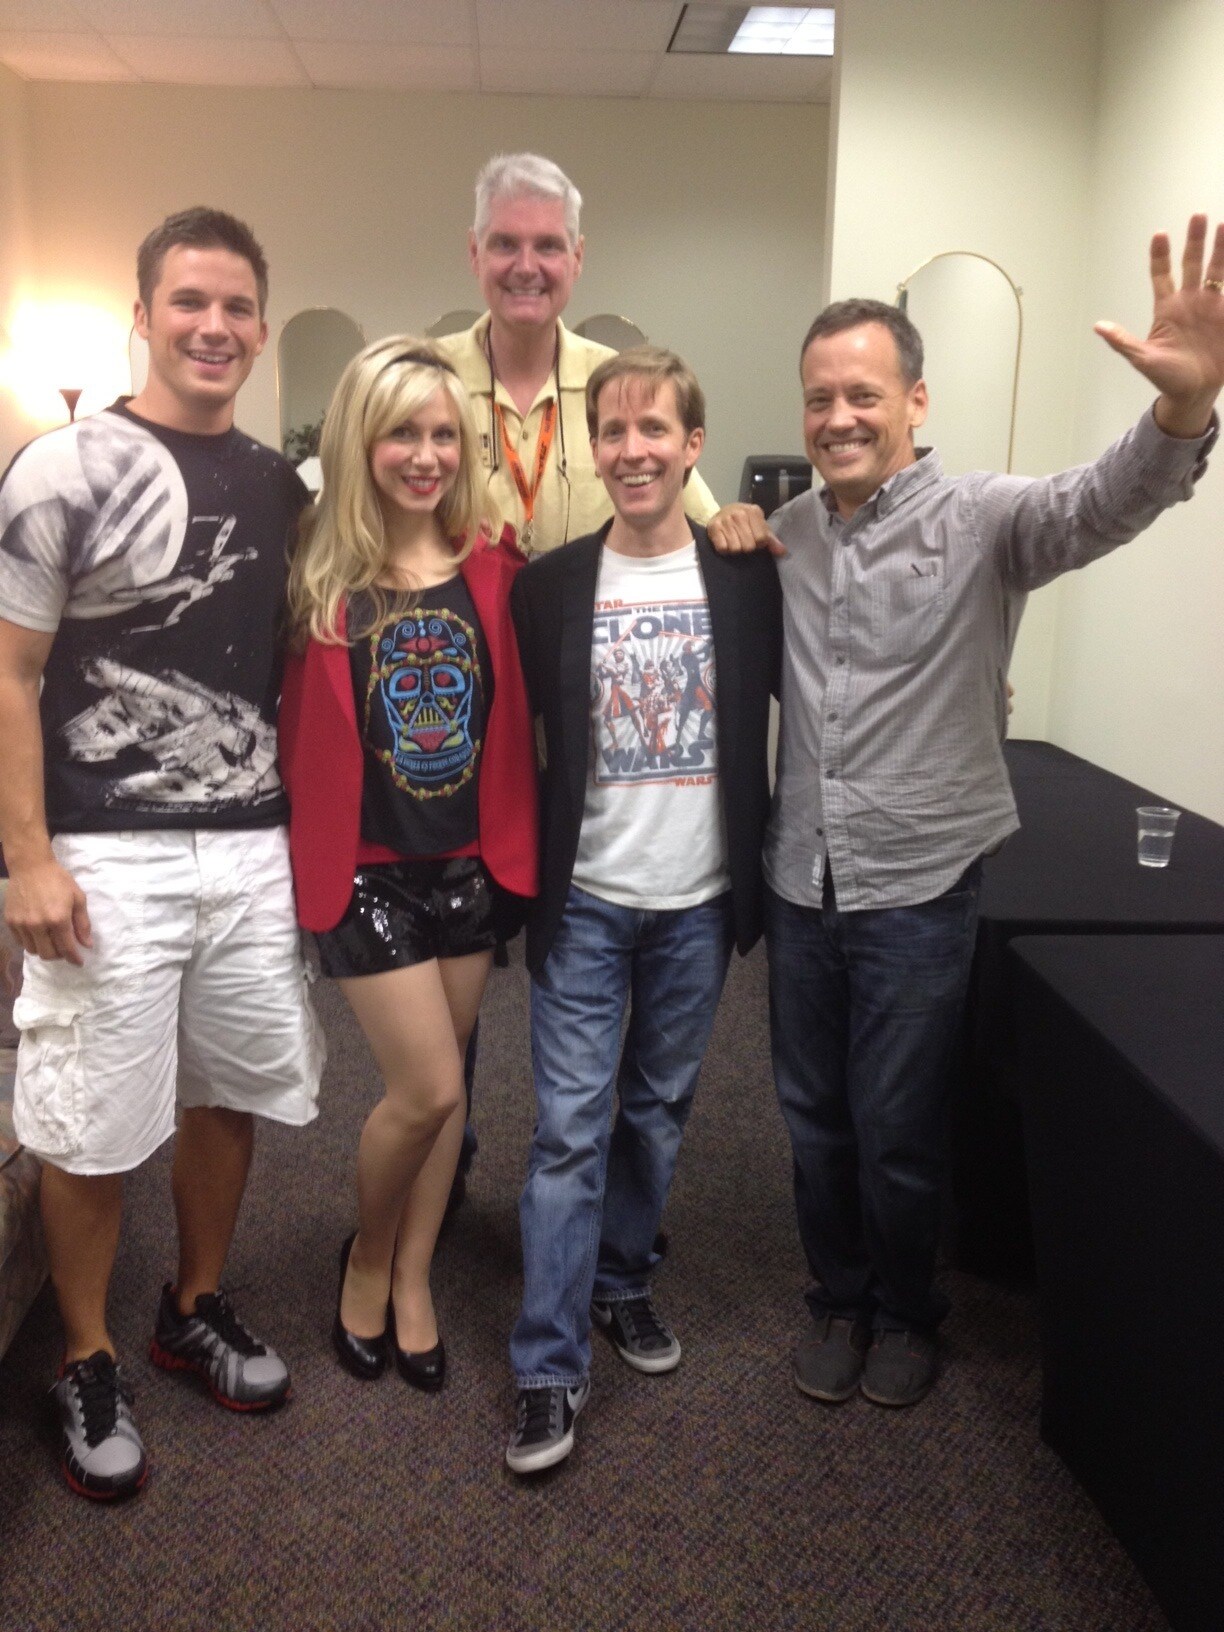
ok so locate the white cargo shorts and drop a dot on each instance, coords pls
(193, 991)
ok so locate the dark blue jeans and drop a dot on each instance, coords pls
(596, 1187)
(864, 1009)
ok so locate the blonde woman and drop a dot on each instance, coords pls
(408, 756)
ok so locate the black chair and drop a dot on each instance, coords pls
(769, 479)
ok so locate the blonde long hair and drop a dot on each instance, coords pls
(342, 542)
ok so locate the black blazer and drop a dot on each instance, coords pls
(553, 603)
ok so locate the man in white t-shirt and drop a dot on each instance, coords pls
(651, 666)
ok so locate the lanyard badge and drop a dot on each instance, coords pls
(528, 491)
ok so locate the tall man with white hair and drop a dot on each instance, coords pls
(527, 374)
(525, 371)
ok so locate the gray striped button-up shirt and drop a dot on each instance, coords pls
(899, 626)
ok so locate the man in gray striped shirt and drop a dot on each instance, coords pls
(903, 590)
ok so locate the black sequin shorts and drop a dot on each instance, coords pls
(406, 912)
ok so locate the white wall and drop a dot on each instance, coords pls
(704, 222)
(15, 252)
(1139, 672)
(966, 125)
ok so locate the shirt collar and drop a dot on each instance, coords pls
(898, 489)
(572, 365)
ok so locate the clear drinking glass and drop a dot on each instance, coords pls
(1157, 824)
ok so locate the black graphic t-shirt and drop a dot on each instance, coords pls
(423, 687)
(158, 560)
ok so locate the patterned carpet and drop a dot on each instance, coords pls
(714, 1497)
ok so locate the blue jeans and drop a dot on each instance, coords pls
(864, 1010)
(595, 1190)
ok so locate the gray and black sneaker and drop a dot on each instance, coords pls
(104, 1457)
(642, 1340)
(241, 1372)
(544, 1426)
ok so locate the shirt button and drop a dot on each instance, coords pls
(832, 717)
(820, 832)
(841, 660)
(830, 775)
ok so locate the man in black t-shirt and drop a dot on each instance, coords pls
(142, 563)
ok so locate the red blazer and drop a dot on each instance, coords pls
(321, 757)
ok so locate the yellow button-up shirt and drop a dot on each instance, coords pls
(572, 500)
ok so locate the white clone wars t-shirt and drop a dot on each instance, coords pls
(652, 828)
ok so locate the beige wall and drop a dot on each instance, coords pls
(970, 126)
(15, 251)
(1055, 139)
(704, 222)
(1051, 137)
(1139, 670)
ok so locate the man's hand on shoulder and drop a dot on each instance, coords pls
(738, 529)
(45, 909)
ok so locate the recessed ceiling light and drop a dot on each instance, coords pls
(775, 31)
(786, 31)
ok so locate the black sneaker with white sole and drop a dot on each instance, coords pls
(241, 1372)
(544, 1426)
(104, 1457)
(642, 1340)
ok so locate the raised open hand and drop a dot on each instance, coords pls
(1183, 355)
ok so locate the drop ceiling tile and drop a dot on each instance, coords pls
(209, 61)
(411, 22)
(366, 66)
(187, 19)
(576, 25)
(566, 73)
(61, 56)
(745, 79)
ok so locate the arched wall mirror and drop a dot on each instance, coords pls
(609, 329)
(138, 359)
(313, 348)
(452, 323)
(969, 313)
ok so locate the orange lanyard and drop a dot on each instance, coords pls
(543, 446)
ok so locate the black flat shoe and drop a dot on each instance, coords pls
(364, 1357)
(427, 1370)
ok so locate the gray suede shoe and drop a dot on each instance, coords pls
(829, 1359)
(901, 1366)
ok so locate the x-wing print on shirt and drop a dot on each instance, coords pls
(205, 746)
(213, 565)
(652, 694)
(116, 492)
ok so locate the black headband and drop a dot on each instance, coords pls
(424, 359)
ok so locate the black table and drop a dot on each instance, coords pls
(1121, 1055)
(1071, 870)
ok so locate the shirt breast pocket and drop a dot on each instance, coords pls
(905, 611)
